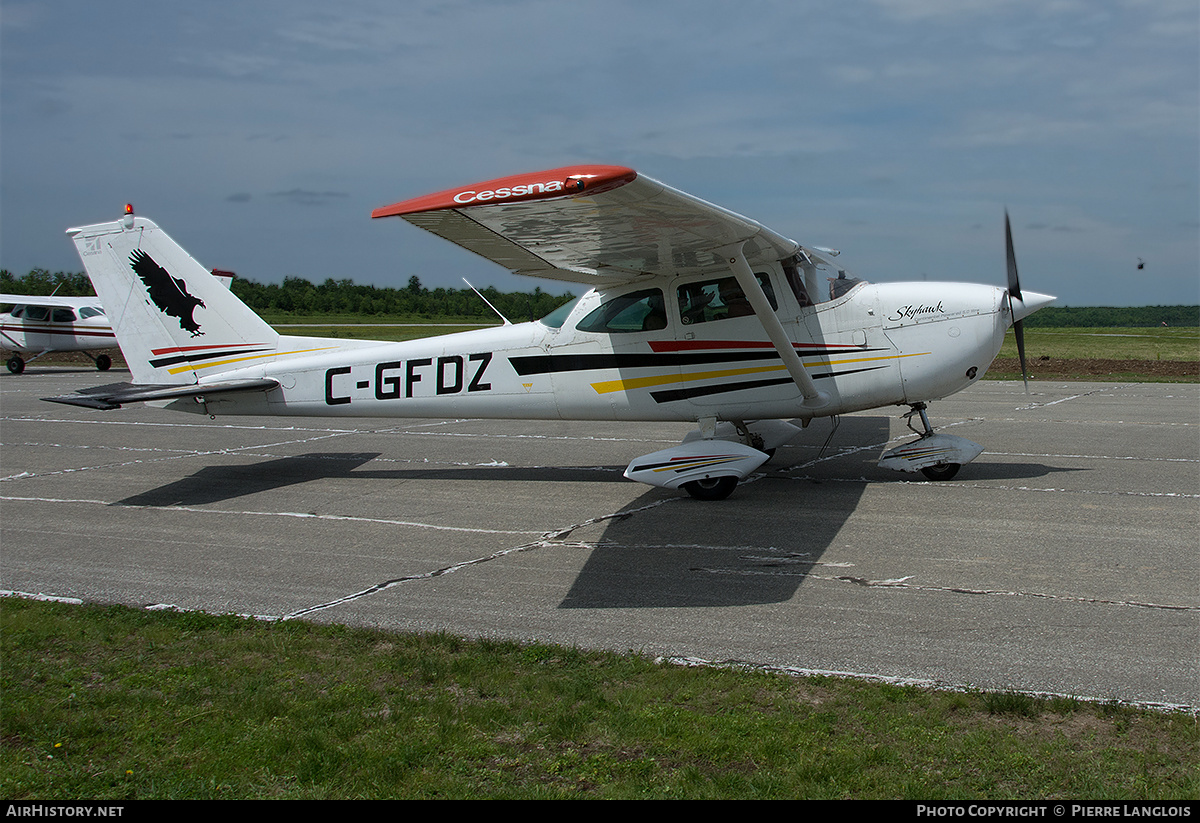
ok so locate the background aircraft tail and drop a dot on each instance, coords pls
(173, 319)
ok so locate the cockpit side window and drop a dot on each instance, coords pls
(719, 299)
(37, 313)
(636, 311)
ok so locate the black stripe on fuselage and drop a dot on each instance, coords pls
(552, 363)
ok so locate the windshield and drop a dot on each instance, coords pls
(841, 284)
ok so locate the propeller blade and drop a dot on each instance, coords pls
(1014, 284)
(1019, 334)
(1014, 291)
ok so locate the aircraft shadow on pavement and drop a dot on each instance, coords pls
(214, 484)
(982, 469)
(755, 547)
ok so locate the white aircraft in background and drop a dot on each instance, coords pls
(40, 325)
(696, 314)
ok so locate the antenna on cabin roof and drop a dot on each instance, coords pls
(485, 300)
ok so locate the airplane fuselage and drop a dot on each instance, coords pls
(876, 345)
(40, 328)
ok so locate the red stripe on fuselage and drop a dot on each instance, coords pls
(722, 345)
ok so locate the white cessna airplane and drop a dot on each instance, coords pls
(696, 314)
(40, 325)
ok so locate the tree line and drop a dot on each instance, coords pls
(298, 296)
(1119, 317)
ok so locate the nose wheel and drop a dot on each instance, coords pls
(937, 456)
(939, 471)
(945, 471)
(711, 488)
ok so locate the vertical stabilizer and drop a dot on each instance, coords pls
(170, 314)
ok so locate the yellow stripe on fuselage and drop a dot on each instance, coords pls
(609, 386)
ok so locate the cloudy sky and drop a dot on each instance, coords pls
(262, 134)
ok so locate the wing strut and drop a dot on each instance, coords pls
(813, 399)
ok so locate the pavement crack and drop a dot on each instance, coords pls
(554, 538)
(905, 584)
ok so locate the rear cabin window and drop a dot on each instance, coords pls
(62, 316)
(90, 311)
(637, 311)
(719, 299)
(556, 318)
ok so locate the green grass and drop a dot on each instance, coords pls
(119, 703)
(1108, 344)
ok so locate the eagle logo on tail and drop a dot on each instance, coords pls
(169, 293)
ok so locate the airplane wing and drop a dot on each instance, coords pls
(43, 300)
(596, 225)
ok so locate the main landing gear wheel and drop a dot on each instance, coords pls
(943, 471)
(15, 365)
(711, 488)
(103, 362)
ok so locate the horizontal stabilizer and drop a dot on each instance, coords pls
(114, 395)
